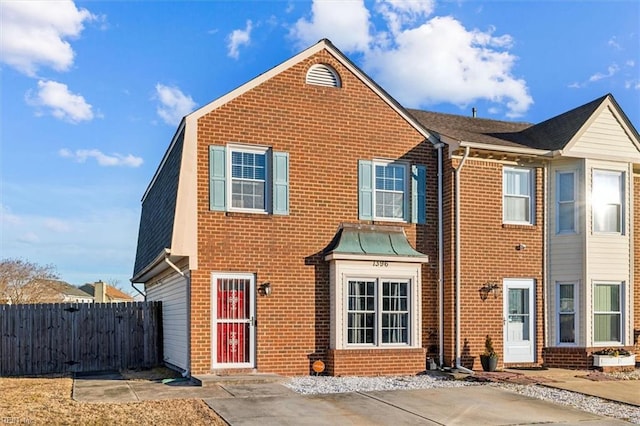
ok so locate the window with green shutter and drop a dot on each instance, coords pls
(249, 179)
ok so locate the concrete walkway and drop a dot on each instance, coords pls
(263, 400)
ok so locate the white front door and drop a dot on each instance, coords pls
(233, 321)
(519, 320)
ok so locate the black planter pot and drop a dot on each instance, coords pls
(489, 363)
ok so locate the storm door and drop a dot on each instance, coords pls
(233, 321)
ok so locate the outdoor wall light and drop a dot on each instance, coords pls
(264, 289)
(490, 287)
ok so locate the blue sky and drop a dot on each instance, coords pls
(92, 91)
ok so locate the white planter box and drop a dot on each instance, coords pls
(613, 361)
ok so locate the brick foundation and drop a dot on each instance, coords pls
(376, 362)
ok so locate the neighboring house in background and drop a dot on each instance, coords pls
(307, 216)
(56, 291)
(104, 293)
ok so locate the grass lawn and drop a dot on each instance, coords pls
(47, 400)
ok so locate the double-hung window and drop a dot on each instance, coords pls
(391, 191)
(378, 312)
(566, 201)
(517, 188)
(566, 313)
(607, 313)
(607, 193)
(248, 178)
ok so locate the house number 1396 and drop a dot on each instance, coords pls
(380, 264)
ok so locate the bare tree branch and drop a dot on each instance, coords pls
(22, 281)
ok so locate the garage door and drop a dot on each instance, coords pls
(172, 292)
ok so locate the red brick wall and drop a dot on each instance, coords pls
(559, 357)
(325, 131)
(371, 362)
(488, 254)
(636, 265)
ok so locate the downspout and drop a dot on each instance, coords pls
(440, 261)
(457, 262)
(170, 263)
(545, 254)
(138, 290)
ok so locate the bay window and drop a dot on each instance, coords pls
(566, 201)
(378, 312)
(607, 193)
(607, 313)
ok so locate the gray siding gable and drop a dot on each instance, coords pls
(158, 209)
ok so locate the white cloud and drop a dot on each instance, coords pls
(60, 102)
(56, 225)
(8, 218)
(346, 24)
(239, 38)
(29, 237)
(614, 43)
(400, 13)
(611, 71)
(173, 104)
(81, 156)
(36, 33)
(469, 67)
(418, 59)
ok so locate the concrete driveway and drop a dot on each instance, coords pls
(245, 401)
(473, 405)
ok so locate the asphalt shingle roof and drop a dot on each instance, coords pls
(552, 134)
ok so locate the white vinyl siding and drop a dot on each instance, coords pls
(172, 292)
(518, 200)
(605, 137)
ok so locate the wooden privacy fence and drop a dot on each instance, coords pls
(79, 337)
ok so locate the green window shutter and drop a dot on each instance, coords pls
(217, 185)
(418, 194)
(365, 190)
(281, 183)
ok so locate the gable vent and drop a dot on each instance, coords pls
(323, 75)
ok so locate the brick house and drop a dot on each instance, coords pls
(307, 216)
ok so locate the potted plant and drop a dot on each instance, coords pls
(613, 357)
(489, 358)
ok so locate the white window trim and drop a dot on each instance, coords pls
(576, 320)
(340, 271)
(405, 201)
(623, 190)
(532, 197)
(378, 313)
(622, 311)
(558, 203)
(267, 177)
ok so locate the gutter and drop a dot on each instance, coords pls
(457, 261)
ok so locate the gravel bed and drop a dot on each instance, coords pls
(323, 384)
(591, 404)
